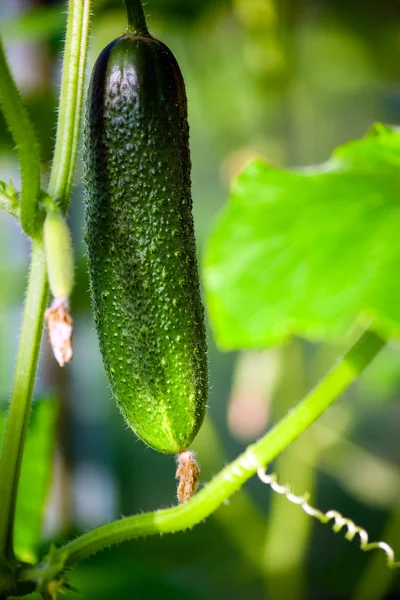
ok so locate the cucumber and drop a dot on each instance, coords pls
(142, 255)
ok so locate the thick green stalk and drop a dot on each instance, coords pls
(136, 19)
(25, 140)
(60, 188)
(24, 378)
(230, 479)
(70, 107)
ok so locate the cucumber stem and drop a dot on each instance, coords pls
(136, 19)
(20, 404)
(70, 103)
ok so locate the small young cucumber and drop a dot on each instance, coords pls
(144, 280)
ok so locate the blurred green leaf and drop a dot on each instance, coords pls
(306, 251)
(34, 24)
(36, 475)
(37, 467)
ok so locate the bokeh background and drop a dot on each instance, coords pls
(288, 80)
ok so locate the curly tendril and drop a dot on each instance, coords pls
(339, 520)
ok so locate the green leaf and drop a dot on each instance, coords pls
(305, 252)
(37, 467)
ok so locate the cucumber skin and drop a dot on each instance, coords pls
(142, 255)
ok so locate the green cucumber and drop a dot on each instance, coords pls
(142, 255)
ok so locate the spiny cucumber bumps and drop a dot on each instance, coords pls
(142, 255)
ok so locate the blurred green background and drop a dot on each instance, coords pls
(288, 80)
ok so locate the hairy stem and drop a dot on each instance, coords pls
(60, 188)
(24, 378)
(232, 477)
(25, 140)
(70, 107)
